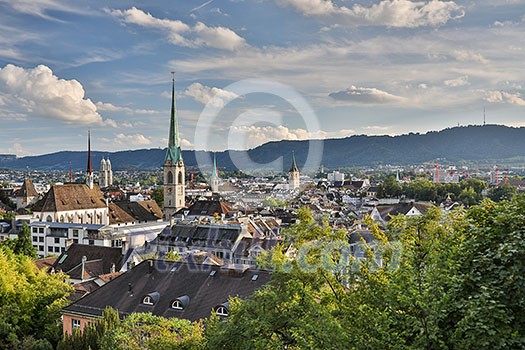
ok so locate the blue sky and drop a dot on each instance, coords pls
(363, 67)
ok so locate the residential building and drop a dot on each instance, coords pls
(167, 289)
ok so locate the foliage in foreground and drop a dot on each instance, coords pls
(436, 281)
(452, 282)
(136, 331)
(30, 303)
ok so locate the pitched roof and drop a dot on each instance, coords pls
(387, 211)
(141, 211)
(45, 263)
(99, 260)
(70, 197)
(219, 236)
(206, 286)
(117, 215)
(208, 208)
(27, 189)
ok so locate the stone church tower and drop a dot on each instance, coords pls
(293, 175)
(174, 172)
(106, 174)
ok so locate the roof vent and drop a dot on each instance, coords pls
(254, 277)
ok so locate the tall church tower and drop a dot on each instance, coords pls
(293, 175)
(89, 171)
(174, 172)
(106, 174)
(214, 179)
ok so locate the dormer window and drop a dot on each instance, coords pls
(151, 299)
(180, 303)
(223, 309)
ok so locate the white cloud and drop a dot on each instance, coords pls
(461, 81)
(104, 106)
(254, 136)
(504, 97)
(389, 13)
(205, 94)
(39, 7)
(365, 95)
(179, 33)
(19, 150)
(38, 92)
(469, 56)
(186, 144)
(132, 140)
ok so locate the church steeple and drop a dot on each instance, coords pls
(214, 179)
(214, 171)
(293, 175)
(89, 170)
(174, 172)
(294, 167)
(173, 153)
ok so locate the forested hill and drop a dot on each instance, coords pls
(488, 143)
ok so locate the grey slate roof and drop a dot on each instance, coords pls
(99, 260)
(206, 287)
(220, 236)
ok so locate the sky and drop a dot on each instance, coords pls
(253, 71)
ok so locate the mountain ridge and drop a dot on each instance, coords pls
(471, 143)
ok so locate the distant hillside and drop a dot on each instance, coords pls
(488, 143)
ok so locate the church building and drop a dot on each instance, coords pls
(174, 172)
(293, 175)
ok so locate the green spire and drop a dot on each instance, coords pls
(214, 171)
(174, 152)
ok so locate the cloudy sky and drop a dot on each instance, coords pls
(246, 71)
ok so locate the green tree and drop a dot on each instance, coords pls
(297, 309)
(390, 188)
(490, 287)
(22, 244)
(146, 331)
(30, 302)
(503, 192)
(158, 196)
(422, 189)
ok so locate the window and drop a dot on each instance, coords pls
(57, 240)
(41, 239)
(170, 177)
(91, 242)
(75, 240)
(180, 178)
(35, 230)
(177, 305)
(40, 230)
(41, 248)
(49, 218)
(57, 249)
(147, 300)
(75, 233)
(35, 239)
(75, 323)
(222, 311)
(50, 249)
